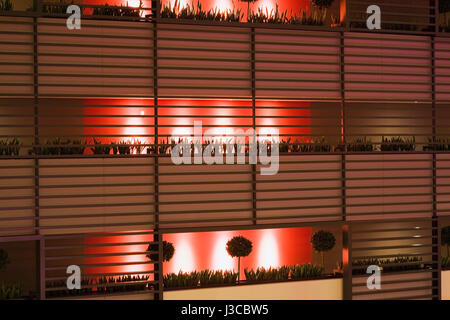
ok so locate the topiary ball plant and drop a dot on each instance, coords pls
(445, 238)
(323, 241)
(239, 246)
(4, 259)
(168, 251)
(323, 3)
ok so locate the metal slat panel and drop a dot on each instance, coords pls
(105, 209)
(389, 240)
(93, 61)
(16, 57)
(401, 183)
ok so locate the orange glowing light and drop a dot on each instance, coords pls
(223, 5)
(133, 3)
(268, 250)
(183, 258)
(221, 260)
(267, 6)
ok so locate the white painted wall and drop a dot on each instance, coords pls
(327, 289)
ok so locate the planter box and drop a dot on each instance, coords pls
(324, 289)
(445, 285)
(118, 296)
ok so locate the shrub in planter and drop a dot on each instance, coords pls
(398, 144)
(123, 147)
(306, 271)
(360, 144)
(100, 148)
(168, 251)
(59, 146)
(208, 277)
(62, 290)
(190, 12)
(121, 283)
(10, 147)
(10, 291)
(115, 11)
(4, 259)
(323, 241)
(389, 265)
(445, 263)
(6, 5)
(437, 144)
(239, 246)
(262, 274)
(181, 280)
(445, 238)
(57, 8)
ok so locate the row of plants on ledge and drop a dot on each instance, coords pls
(316, 17)
(56, 8)
(62, 146)
(445, 263)
(6, 5)
(105, 10)
(404, 263)
(202, 278)
(205, 278)
(393, 26)
(297, 272)
(122, 11)
(9, 147)
(102, 285)
(189, 12)
(444, 10)
(10, 291)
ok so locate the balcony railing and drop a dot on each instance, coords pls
(397, 16)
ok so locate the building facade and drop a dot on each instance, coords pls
(89, 117)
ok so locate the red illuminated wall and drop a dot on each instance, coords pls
(223, 5)
(118, 245)
(132, 119)
(205, 250)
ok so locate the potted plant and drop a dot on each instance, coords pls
(444, 15)
(445, 239)
(168, 251)
(6, 5)
(323, 241)
(4, 259)
(239, 246)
